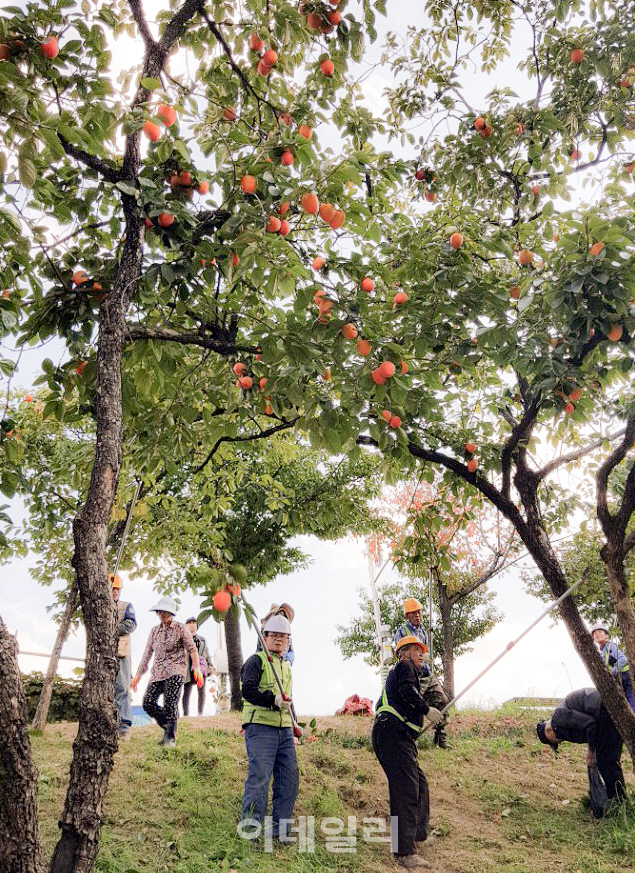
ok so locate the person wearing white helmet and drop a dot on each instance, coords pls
(398, 723)
(289, 613)
(169, 641)
(615, 660)
(269, 732)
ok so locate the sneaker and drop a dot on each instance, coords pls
(412, 862)
(124, 735)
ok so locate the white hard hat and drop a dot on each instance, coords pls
(277, 624)
(166, 604)
(600, 626)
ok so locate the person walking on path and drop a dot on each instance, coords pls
(168, 641)
(126, 624)
(205, 663)
(269, 732)
(582, 718)
(398, 723)
(615, 660)
(433, 691)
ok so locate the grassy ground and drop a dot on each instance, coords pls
(500, 801)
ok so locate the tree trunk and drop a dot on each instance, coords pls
(234, 657)
(537, 542)
(96, 741)
(42, 711)
(20, 850)
(447, 655)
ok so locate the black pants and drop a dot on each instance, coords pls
(187, 688)
(608, 752)
(396, 748)
(170, 688)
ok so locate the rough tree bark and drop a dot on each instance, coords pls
(20, 850)
(96, 741)
(234, 657)
(43, 704)
(447, 655)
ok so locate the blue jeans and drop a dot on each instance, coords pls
(122, 692)
(270, 751)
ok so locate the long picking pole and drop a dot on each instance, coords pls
(297, 730)
(511, 645)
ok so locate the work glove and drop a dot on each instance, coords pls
(281, 703)
(434, 716)
(134, 683)
(198, 678)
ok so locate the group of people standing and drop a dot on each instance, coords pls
(181, 660)
(410, 694)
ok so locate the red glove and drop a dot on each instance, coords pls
(134, 683)
(198, 676)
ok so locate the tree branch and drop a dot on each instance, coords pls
(139, 17)
(505, 506)
(186, 338)
(574, 456)
(99, 165)
(285, 425)
(520, 432)
(602, 476)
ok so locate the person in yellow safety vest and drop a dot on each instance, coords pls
(398, 723)
(615, 660)
(433, 691)
(126, 624)
(269, 733)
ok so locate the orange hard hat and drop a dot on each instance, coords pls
(410, 641)
(411, 605)
(115, 580)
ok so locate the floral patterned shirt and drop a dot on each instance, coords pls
(169, 644)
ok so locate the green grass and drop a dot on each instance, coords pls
(501, 803)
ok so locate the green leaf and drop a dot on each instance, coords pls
(26, 171)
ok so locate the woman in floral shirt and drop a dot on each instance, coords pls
(169, 641)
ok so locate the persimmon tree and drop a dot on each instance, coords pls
(517, 308)
(432, 532)
(410, 302)
(158, 269)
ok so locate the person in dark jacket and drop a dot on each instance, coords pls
(268, 729)
(582, 718)
(615, 660)
(398, 723)
(205, 663)
(432, 690)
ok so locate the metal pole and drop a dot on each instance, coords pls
(511, 645)
(44, 655)
(126, 528)
(376, 608)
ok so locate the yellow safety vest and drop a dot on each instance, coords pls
(386, 707)
(260, 714)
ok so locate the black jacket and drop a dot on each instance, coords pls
(251, 674)
(403, 691)
(576, 718)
